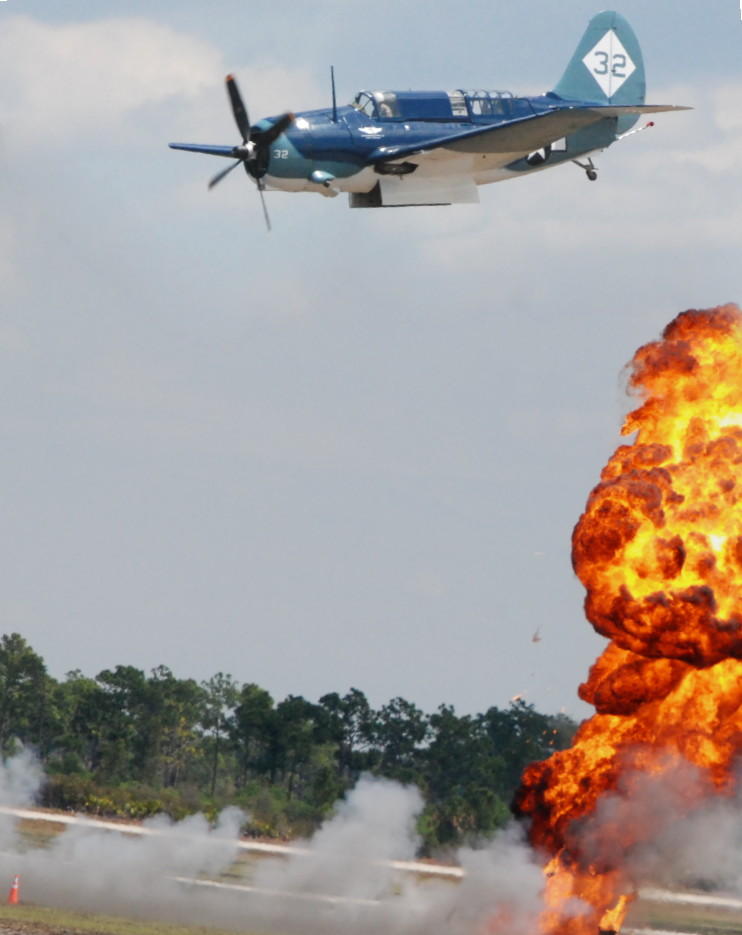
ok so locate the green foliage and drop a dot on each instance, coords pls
(130, 745)
(220, 695)
(27, 711)
(399, 732)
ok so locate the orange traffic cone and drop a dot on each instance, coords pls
(14, 896)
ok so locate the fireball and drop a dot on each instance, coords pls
(659, 551)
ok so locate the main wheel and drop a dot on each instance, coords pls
(592, 174)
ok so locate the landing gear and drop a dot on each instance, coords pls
(590, 169)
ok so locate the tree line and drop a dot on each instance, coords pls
(133, 744)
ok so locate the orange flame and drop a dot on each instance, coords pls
(659, 551)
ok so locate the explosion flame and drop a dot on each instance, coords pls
(659, 551)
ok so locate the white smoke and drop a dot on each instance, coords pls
(352, 856)
(341, 880)
(683, 831)
(700, 847)
(20, 779)
(344, 878)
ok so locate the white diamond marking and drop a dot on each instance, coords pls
(609, 63)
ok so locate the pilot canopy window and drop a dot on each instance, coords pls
(365, 103)
(378, 105)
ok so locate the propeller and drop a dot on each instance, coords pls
(254, 150)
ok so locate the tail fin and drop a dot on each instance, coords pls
(607, 67)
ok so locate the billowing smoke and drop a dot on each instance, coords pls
(91, 869)
(344, 879)
(685, 848)
(351, 857)
(20, 779)
(704, 848)
(341, 880)
(692, 835)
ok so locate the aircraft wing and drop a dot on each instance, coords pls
(227, 151)
(513, 139)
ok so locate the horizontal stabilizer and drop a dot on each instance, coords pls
(228, 151)
(620, 111)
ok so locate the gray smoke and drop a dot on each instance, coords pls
(96, 870)
(350, 858)
(20, 779)
(342, 879)
(690, 832)
(701, 846)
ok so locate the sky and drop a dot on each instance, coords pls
(349, 452)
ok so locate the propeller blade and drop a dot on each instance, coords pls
(238, 109)
(265, 207)
(267, 136)
(220, 175)
(261, 188)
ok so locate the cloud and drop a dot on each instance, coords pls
(58, 82)
(726, 107)
(684, 167)
(8, 270)
(61, 80)
(715, 144)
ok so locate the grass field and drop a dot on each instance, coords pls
(43, 919)
(681, 917)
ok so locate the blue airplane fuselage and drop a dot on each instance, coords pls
(338, 145)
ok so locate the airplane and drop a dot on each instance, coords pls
(404, 148)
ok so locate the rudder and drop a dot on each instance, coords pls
(607, 66)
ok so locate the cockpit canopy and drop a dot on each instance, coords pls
(432, 105)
